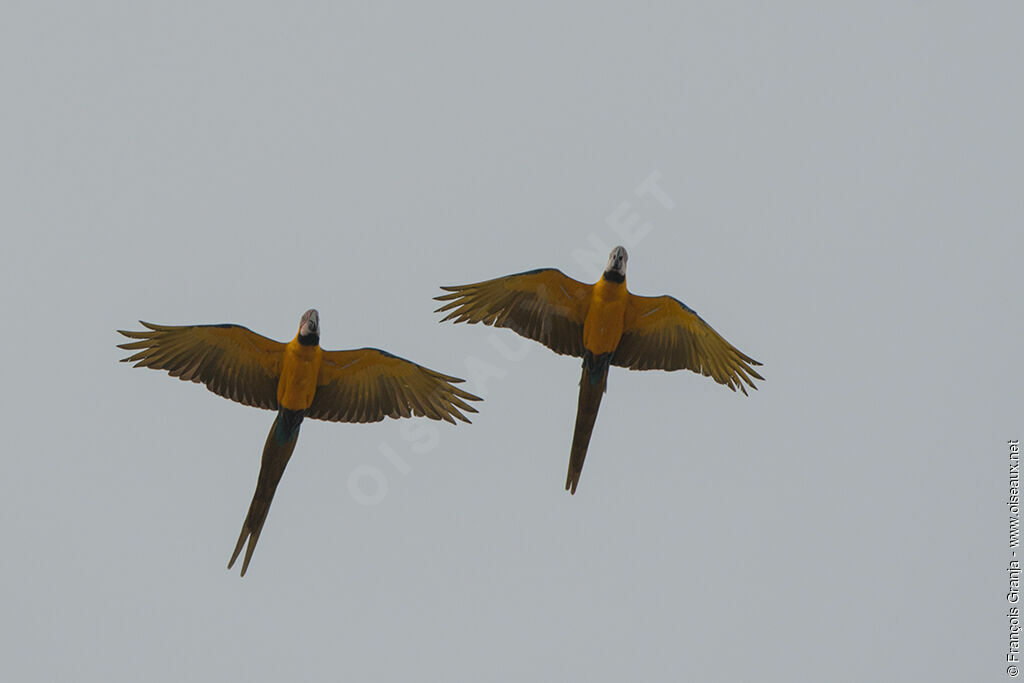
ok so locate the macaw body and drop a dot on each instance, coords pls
(606, 316)
(298, 380)
(300, 369)
(604, 324)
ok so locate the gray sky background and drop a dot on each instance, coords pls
(847, 193)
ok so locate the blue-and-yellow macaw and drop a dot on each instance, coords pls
(298, 380)
(605, 325)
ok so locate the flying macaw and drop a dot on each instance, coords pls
(298, 380)
(604, 324)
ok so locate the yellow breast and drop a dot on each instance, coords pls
(602, 328)
(299, 370)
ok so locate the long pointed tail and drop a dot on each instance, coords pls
(276, 453)
(592, 386)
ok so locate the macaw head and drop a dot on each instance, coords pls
(309, 328)
(616, 268)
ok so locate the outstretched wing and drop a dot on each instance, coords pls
(367, 385)
(544, 305)
(231, 360)
(663, 333)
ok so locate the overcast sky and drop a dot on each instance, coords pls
(840, 198)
